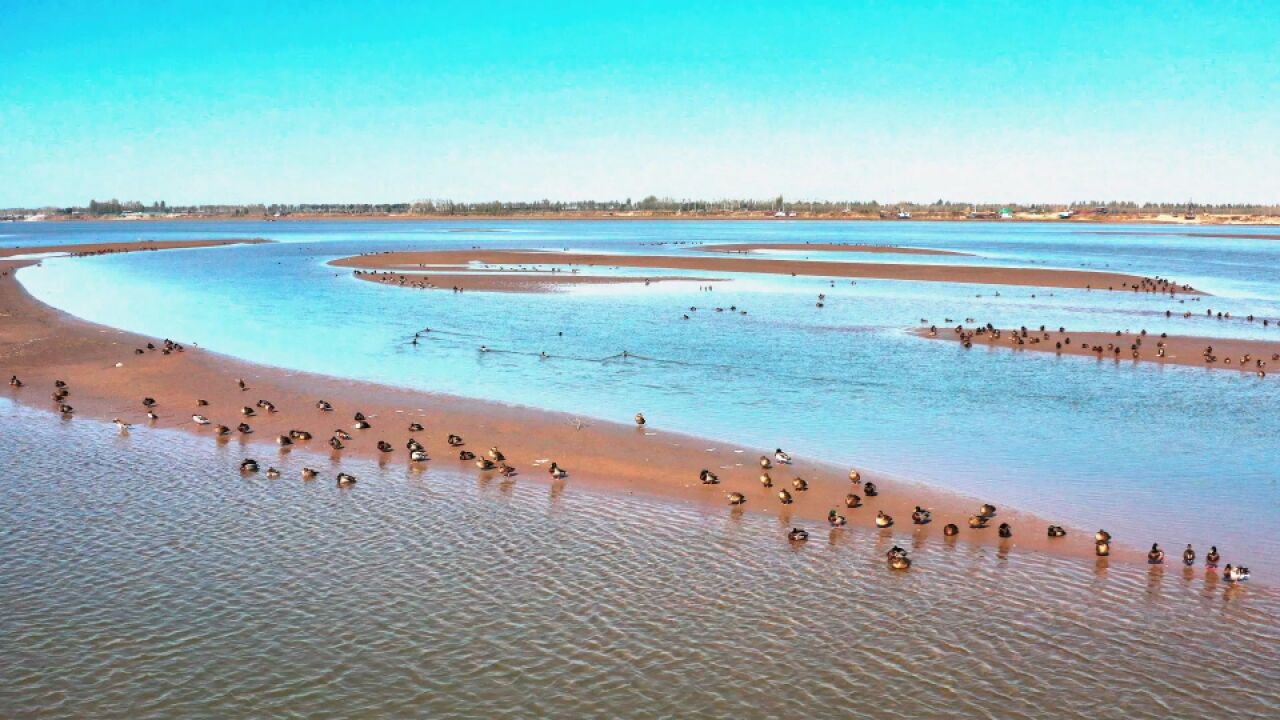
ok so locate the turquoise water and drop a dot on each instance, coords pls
(1168, 454)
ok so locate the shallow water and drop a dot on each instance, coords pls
(143, 576)
(1168, 454)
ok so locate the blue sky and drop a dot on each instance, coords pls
(381, 101)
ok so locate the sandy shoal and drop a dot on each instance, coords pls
(1034, 277)
(826, 247)
(1227, 354)
(511, 281)
(40, 344)
(122, 247)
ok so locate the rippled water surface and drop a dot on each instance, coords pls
(143, 576)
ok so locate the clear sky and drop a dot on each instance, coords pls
(379, 101)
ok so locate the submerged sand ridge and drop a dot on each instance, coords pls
(509, 261)
(108, 373)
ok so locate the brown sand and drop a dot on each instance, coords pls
(1238, 355)
(826, 247)
(40, 345)
(118, 247)
(1034, 277)
(511, 281)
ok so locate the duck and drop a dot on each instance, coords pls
(336, 443)
(852, 501)
(361, 425)
(299, 434)
(249, 465)
(267, 405)
(323, 406)
(556, 471)
(202, 403)
(781, 458)
(640, 419)
(855, 477)
(737, 498)
(1056, 531)
(241, 384)
(413, 444)
(466, 455)
(418, 456)
(346, 480)
(244, 428)
(1004, 531)
(415, 427)
(835, 519)
(765, 480)
(1189, 556)
(1102, 548)
(1237, 574)
(1102, 536)
(765, 462)
(1155, 556)
(987, 511)
(898, 558)
(221, 430)
(950, 530)
(152, 416)
(384, 446)
(309, 473)
(1211, 560)
(247, 411)
(506, 470)
(66, 409)
(485, 464)
(883, 520)
(148, 402)
(798, 535)
(273, 473)
(869, 489)
(920, 516)
(59, 383)
(708, 478)
(14, 381)
(284, 440)
(455, 441)
(496, 454)
(800, 484)
(784, 497)
(341, 434)
(60, 395)
(359, 417)
(977, 522)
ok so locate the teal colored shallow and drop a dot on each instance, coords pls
(1168, 454)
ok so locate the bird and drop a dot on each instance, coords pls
(737, 498)
(708, 478)
(883, 520)
(640, 419)
(200, 420)
(346, 480)
(122, 425)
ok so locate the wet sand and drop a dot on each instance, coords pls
(41, 344)
(1238, 355)
(522, 259)
(826, 247)
(512, 281)
(120, 247)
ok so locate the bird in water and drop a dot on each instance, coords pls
(800, 484)
(898, 559)
(496, 454)
(200, 420)
(640, 419)
(309, 473)
(883, 520)
(346, 480)
(556, 471)
(273, 473)
(241, 384)
(1155, 556)
(1236, 574)
(1056, 531)
(323, 406)
(247, 411)
(221, 430)
(765, 480)
(122, 425)
(384, 446)
(869, 490)
(1211, 560)
(284, 440)
(920, 516)
(152, 416)
(1102, 543)
(249, 465)
(244, 428)
(466, 455)
(781, 458)
(336, 443)
(852, 501)
(784, 497)
(415, 427)
(455, 441)
(765, 462)
(950, 530)
(835, 519)
(14, 381)
(1005, 530)
(798, 535)
(737, 498)
(977, 522)
(1189, 556)
(708, 478)
(855, 477)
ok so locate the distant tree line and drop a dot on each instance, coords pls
(652, 205)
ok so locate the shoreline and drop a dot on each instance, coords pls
(751, 248)
(1124, 347)
(970, 274)
(41, 344)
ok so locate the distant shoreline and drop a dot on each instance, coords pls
(1048, 218)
